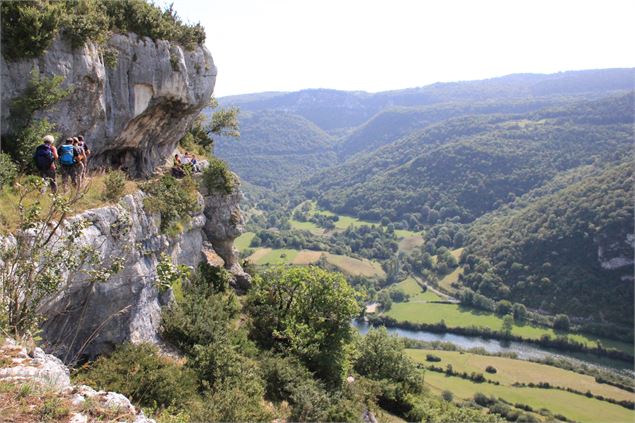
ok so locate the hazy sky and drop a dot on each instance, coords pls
(377, 45)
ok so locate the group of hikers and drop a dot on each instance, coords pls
(184, 165)
(73, 161)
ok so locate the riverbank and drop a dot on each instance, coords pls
(562, 344)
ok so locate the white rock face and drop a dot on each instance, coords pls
(40, 367)
(87, 319)
(48, 371)
(132, 115)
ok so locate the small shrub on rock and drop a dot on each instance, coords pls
(114, 185)
(8, 170)
(140, 373)
(175, 199)
(218, 178)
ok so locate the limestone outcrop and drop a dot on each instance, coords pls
(132, 114)
(87, 319)
(21, 368)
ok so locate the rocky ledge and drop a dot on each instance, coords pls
(30, 377)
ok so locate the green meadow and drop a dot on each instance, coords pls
(455, 315)
(573, 406)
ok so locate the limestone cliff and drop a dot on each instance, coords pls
(87, 319)
(132, 114)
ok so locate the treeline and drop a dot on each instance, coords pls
(28, 28)
(371, 242)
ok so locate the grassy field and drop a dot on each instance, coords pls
(349, 265)
(572, 406)
(456, 315)
(509, 370)
(414, 290)
(445, 284)
(307, 226)
(242, 242)
(356, 267)
(408, 244)
(91, 198)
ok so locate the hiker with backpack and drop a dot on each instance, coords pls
(70, 157)
(86, 152)
(45, 156)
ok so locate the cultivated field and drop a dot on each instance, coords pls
(509, 370)
(573, 406)
(305, 257)
(356, 267)
(349, 265)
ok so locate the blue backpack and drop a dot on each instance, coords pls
(67, 155)
(43, 157)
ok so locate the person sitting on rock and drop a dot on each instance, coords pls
(177, 167)
(191, 159)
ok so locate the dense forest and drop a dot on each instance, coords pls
(554, 251)
(467, 166)
(289, 144)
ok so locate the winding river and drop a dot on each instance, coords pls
(523, 350)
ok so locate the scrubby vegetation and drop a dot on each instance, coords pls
(28, 28)
(174, 199)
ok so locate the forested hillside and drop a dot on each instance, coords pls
(465, 167)
(360, 122)
(276, 148)
(569, 250)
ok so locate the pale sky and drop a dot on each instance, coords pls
(378, 45)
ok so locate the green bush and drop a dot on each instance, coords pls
(85, 20)
(433, 358)
(218, 178)
(174, 199)
(28, 28)
(305, 312)
(144, 376)
(114, 185)
(8, 170)
(22, 145)
(111, 57)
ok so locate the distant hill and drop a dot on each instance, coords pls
(276, 148)
(360, 122)
(468, 166)
(332, 109)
